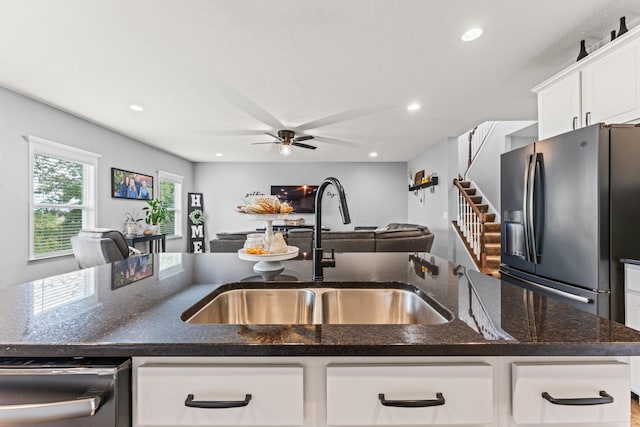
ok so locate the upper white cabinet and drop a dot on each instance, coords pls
(611, 87)
(603, 87)
(559, 108)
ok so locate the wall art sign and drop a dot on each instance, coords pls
(195, 223)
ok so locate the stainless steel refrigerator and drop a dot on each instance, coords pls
(570, 210)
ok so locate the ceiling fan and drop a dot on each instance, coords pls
(286, 139)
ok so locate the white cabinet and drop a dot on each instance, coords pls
(442, 394)
(611, 87)
(559, 107)
(603, 87)
(206, 395)
(579, 393)
(480, 391)
(632, 315)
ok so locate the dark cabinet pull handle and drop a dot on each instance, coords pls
(586, 401)
(575, 122)
(438, 401)
(216, 404)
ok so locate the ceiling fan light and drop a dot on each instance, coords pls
(286, 150)
(413, 107)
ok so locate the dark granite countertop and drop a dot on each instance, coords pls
(630, 261)
(95, 312)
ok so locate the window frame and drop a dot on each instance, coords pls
(89, 206)
(178, 210)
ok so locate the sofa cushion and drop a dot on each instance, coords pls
(353, 235)
(237, 235)
(401, 226)
(398, 233)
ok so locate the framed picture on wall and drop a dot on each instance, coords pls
(131, 185)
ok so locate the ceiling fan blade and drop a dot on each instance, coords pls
(335, 141)
(246, 105)
(273, 135)
(302, 138)
(270, 142)
(339, 117)
(229, 132)
(299, 144)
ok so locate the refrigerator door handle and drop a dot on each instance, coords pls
(535, 162)
(527, 203)
(525, 209)
(554, 291)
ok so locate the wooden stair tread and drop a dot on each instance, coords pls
(476, 199)
(470, 191)
(492, 227)
(465, 184)
(489, 218)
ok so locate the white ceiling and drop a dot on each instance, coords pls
(213, 75)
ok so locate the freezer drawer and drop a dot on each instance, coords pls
(64, 393)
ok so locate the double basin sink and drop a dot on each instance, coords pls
(305, 303)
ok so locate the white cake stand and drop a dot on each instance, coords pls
(269, 263)
(269, 218)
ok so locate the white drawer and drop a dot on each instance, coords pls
(276, 395)
(353, 394)
(569, 381)
(632, 310)
(632, 277)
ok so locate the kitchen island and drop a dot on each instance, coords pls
(497, 340)
(87, 313)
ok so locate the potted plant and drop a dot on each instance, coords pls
(156, 213)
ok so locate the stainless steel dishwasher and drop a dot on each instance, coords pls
(65, 392)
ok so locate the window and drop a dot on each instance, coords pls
(170, 194)
(62, 196)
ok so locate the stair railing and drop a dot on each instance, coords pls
(471, 224)
(477, 138)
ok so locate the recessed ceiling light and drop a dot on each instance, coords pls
(472, 34)
(219, 154)
(136, 107)
(373, 154)
(413, 107)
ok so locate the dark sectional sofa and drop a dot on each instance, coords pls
(394, 237)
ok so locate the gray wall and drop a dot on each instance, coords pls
(485, 171)
(20, 116)
(430, 206)
(376, 192)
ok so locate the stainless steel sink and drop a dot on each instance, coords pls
(258, 306)
(338, 303)
(377, 306)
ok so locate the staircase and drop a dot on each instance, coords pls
(478, 229)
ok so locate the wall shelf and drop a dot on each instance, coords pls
(431, 183)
